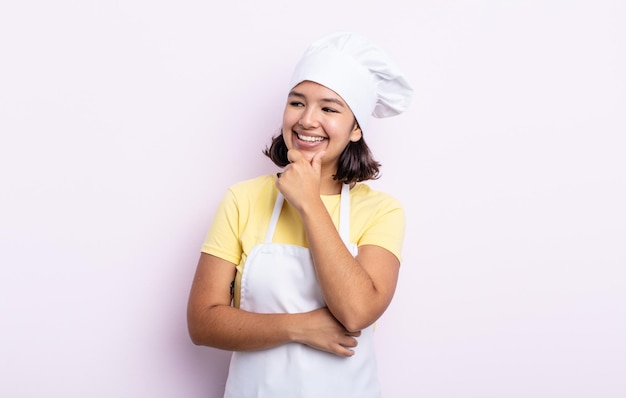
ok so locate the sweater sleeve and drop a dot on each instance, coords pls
(386, 228)
(222, 239)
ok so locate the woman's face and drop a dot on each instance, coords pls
(318, 119)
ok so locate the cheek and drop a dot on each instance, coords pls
(287, 117)
(287, 135)
(340, 129)
(290, 117)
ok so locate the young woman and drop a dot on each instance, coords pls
(298, 266)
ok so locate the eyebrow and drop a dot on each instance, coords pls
(331, 99)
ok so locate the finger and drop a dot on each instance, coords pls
(316, 162)
(293, 155)
(350, 342)
(342, 350)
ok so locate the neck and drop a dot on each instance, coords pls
(329, 186)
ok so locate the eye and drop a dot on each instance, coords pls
(329, 110)
(296, 103)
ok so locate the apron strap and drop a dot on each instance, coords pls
(278, 206)
(344, 215)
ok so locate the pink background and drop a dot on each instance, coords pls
(123, 122)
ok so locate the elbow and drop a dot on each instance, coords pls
(354, 323)
(202, 336)
(357, 318)
(195, 337)
(354, 327)
(195, 333)
(199, 328)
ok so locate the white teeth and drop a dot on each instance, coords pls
(310, 139)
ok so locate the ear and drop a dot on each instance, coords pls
(356, 134)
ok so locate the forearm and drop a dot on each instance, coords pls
(349, 291)
(232, 329)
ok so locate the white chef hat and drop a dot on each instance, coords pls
(359, 71)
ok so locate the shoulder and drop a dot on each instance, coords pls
(364, 196)
(253, 195)
(254, 186)
(379, 219)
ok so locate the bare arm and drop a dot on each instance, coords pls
(357, 289)
(213, 322)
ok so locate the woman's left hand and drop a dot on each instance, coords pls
(300, 181)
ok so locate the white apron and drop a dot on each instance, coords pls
(281, 278)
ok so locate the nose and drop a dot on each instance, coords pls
(308, 119)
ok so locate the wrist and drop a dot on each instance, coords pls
(309, 207)
(294, 327)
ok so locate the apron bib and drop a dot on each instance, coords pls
(281, 278)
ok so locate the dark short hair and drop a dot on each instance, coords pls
(356, 162)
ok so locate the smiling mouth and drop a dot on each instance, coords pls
(308, 138)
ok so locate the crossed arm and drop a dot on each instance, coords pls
(212, 321)
(357, 291)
